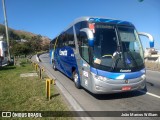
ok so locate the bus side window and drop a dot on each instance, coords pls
(60, 42)
(65, 39)
(77, 28)
(70, 36)
(80, 25)
(83, 46)
(84, 24)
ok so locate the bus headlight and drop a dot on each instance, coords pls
(99, 77)
(143, 77)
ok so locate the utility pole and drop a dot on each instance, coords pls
(6, 26)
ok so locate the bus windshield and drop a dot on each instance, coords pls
(117, 48)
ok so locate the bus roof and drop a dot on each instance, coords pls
(98, 19)
(102, 19)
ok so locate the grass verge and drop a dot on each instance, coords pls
(28, 93)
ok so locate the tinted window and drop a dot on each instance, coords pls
(84, 24)
(59, 42)
(83, 46)
(70, 38)
(77, 28)
(65, 39)
(80, 25)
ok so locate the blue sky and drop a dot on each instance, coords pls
(50, 17)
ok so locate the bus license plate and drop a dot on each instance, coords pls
(126, 88)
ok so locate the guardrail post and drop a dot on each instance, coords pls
(48, 89)
(36, 67)
(48, 93)
(53, 82)
(41, 70)
(40, 73)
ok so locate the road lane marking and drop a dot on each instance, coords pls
(151, 94)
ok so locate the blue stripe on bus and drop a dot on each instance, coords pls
(115, 76)
(91, 42)
(110, 21)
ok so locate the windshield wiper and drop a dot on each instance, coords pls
(129, 52)
(115, 62)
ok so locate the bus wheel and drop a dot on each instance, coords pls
(76, 80)
(145, 88)
(54, 66)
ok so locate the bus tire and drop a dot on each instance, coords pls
(54, 66)
(76, 79)
(145, 88)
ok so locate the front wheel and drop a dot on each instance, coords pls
(76, 80)
(145, 88)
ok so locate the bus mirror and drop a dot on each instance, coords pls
(149, 36)
(90, 36)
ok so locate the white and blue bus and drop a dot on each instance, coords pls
(101, 55)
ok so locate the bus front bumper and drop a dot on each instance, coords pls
(116, 86)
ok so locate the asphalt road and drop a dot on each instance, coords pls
(130, 101)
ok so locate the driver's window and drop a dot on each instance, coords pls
(83, 46)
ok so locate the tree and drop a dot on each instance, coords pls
(2, 31)
(36, 43)
(21, 49)
(13, 36)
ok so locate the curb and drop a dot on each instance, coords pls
(37, 58)
(75, 105)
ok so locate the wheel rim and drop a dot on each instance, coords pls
(54, 67)
(75, 77)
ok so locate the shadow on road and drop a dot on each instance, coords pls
(151, 84)
(117, 95)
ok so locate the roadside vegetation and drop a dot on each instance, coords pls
(24, 43)
(27, 93)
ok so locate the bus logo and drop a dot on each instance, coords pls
(125, 70)
(126, 81)
(63, 53)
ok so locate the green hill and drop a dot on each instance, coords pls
(19, 34)
(23, 42)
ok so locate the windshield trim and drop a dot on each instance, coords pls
(124, 58)
(113, 67)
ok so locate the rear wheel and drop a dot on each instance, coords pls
(54, 66)
(76, 80)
